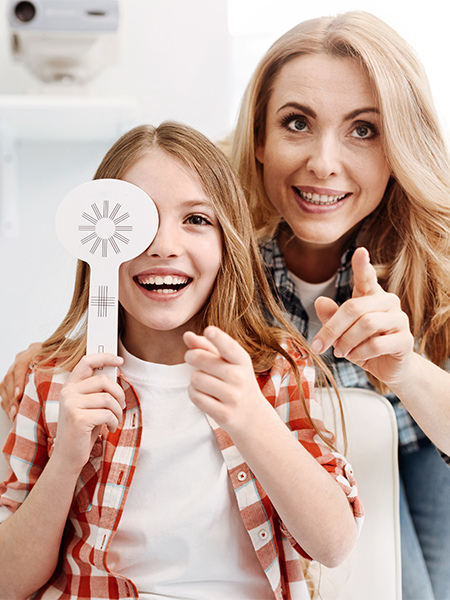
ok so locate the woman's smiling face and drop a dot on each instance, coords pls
(323, 161)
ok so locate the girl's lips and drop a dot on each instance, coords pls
(162, 283)
(162, 272)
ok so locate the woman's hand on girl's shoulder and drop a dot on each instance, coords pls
(87, 402)
(370, 329)
(13, 384)
(224, 384)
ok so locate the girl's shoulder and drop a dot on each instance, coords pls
(295, 349)
(283, 371)
(44, 385)
(296, 352)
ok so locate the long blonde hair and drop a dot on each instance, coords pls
(241, 293)
(408, 235)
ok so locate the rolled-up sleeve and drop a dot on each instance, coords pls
(281, 389)
(25, 451)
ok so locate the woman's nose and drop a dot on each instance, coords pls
(324, 159)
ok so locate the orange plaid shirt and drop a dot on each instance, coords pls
(101, 492)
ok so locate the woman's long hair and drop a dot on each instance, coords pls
(408, 235)
(241, 293)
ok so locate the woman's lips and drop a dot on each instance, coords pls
(316, 200)
(320, 197)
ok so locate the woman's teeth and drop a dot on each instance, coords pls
(167, 284)
(320, 199)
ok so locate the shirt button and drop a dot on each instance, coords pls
(242, 476)
(263, 535)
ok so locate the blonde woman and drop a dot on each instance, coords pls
(205, 470)
(338, 145)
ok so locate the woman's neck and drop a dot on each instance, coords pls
(313, 263)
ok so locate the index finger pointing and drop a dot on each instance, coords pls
(194, 341)
(364, 274)
(228, 348)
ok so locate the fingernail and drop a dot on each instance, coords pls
(17, 392)
(337, 353)
(12, 413)
(317, 346)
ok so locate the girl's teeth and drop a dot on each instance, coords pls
(166, 280)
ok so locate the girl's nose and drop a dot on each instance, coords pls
(324, 159)
(166, 243)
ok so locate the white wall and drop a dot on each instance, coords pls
(255, 24)
(173, 60)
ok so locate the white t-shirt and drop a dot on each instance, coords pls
(181, 535)
(308, 293)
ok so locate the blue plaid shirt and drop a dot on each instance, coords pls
(411, 437)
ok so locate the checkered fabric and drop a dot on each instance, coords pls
(411, 437)
(102, 488)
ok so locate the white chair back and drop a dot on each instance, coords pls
(5, 426)
(373, 569)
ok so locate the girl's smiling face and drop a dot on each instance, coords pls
(323, 160)
(164, 288)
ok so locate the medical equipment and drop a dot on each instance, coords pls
(67, 41)
(106, 222)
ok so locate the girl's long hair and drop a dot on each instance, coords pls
(408, 235)
(241, 293)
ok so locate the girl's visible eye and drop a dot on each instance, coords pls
(198, 220)
(364, 131)
(295, 122)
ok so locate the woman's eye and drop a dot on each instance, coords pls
(297, 125)
(363, 131)
(294, 122)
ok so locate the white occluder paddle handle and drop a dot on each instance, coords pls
(103, 314)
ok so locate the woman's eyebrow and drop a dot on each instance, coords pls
(305, 109)
(311, 113)
(360, 111)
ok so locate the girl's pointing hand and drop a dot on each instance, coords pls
(224, 384)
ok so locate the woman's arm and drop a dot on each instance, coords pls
(425, 392)
(13, 384)
(309, 501)
(30, 539)
(372, 331)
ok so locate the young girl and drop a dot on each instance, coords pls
(185, 478)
